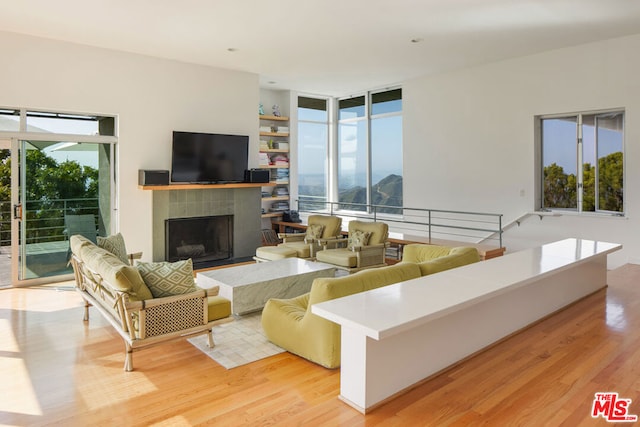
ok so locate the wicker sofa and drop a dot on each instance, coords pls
(290, 324)
(117, 290)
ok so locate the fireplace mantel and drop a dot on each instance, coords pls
(205, 186)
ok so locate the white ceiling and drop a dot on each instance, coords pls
(332, 47)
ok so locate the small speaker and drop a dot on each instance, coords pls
(256, 175)
(153, 177)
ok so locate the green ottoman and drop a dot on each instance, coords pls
(274, 253)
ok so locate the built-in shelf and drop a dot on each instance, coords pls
(274, 118)
(205, 186)
(275, 199)
(272, 153)
(283, 134)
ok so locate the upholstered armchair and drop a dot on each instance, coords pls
(319, 227)
(364, 248)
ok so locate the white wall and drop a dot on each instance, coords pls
(151, 97)
(469, 137)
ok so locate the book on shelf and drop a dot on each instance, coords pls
(263, 159)
(281, 191)
(280, 160)
(282, 145)
(281, 175)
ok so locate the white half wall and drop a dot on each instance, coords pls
(151, 97)
(469, 138)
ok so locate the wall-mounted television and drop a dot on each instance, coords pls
(208, 157)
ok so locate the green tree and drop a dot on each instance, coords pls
(559, 188)
(48, 184)
(588, 188)
(611, 182)
(5, 197)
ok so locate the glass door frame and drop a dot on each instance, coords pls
(17, 251)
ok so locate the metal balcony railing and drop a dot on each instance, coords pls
(44, 219)
(475, 227)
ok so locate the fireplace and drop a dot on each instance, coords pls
(206, 240)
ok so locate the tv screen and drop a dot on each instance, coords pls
(208, 157)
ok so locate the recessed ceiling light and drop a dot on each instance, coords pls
(232, 49)
(416, 40)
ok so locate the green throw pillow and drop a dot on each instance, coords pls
(358, 238)
(314, 232)
(115, 245)
(165, 279)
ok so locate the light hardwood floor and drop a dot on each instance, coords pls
(58, 370)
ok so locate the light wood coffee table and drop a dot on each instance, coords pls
(249, 287)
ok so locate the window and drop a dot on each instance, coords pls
(583, 162)
(367, 148)
(370, 150)
(313, 145)
(352, 153)
(386, 149)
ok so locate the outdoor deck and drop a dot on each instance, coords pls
(43, 260)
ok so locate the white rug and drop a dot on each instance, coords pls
(237, 343)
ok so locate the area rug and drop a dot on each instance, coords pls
(237, 343)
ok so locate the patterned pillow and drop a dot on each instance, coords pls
(165, 279)
(115, 245)
(314, 232)
(358, 238)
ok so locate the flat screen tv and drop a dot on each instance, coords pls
(204, 158)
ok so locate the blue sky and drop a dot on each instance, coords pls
(559, 143)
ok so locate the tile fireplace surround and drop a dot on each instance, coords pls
(242, 203)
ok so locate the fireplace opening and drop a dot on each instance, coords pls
(206, 240)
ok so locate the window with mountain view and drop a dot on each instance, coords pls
(583, 162)
(367, 148)
(370, 151)
(386, 149)
(313, 146)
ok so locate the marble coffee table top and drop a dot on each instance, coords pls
(247, 274)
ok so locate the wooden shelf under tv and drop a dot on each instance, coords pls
(205, 186)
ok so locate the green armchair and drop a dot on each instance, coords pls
(305, 244)
(364, 248)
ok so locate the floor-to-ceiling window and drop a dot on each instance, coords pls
(386, 149)
(370, 151)
(364, 153)
(313, 146)
(353, 153)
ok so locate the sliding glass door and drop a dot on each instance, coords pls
(60, 193)
(61, 184)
